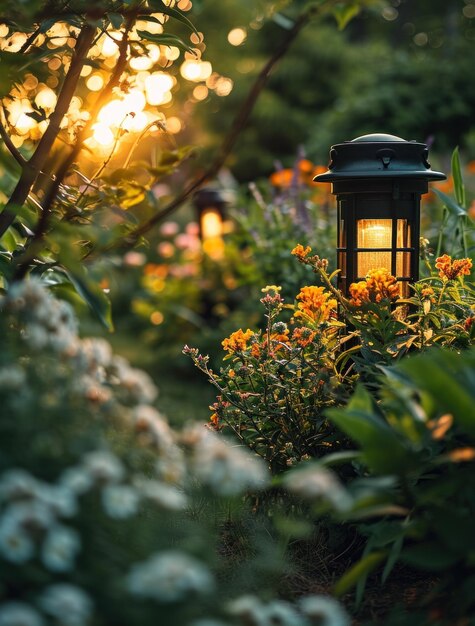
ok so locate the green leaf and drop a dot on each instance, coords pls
(392, 557)
(450, 381)
(431, 556)
(344, 13)
(459, 187)
(453, 207)
(115, 19)
(92, 294)
(358, 572)
(166, 40)
(373, 434)
(174, 14)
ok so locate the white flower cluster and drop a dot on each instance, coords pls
(309, 611)
(67, 604)
(319, 484)
(227, 469)
(31, 521)
(50, 324)
(169, 577)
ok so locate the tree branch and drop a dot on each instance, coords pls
(51, 193)
(32, 168)
(237, 127)
(19, 158)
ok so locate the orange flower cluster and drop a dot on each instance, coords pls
(450, 269)
(315, 303)
(303, 336)
(303, 173)
(237, 341)
(379, 285)
(300, 252)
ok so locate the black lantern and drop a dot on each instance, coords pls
(210, 206)
(378, 180)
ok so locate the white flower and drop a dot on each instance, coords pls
(104, 466)
(328, 611)
(120, 501)
(250, 609)
(60, 548)
(161, 493)
(135, 382)
(169, 577)
(69, 604)
(19, 614)
(12, 377)
(31, 514)
(60, 499)
(171, 467)
(148, 419)
(76, 479)
(319, 483)
(227, 469)
(17, 483)
(15, 544)
(279, 613)
(94, 353)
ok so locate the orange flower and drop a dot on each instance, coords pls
(469, 323)
(282, 178)
(379, 285)
(303, 336)
(255, 350)
(315, 303)
(300, 252)
(427, 292)
(451, 269)
(237, 341)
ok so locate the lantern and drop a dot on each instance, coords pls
(378, 181)
(210, 206)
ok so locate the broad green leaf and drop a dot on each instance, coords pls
(115, 19)
(166, 40)
(450, 380)
(429, 556)
(453, 207)
(372, 433)
(459, 187)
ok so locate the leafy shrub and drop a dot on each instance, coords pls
(413, 494)
(280, 381)
(107, 515)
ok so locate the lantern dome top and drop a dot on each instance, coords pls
(376, 138)
(379, 156)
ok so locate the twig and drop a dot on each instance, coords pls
(19, 158)
(237, 127)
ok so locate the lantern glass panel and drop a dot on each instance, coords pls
(211, 224)
(373, 234)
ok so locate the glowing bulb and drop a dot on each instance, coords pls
(211, 224)
(24, 124)
(191, 70)
(113, 113)
(46, 98)
(172, 53)
(109, 47)
(95, 82)
(141, 63)
(237, 36)
(200, 92)
(173, 125)
(103, 135)
(134, 101)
